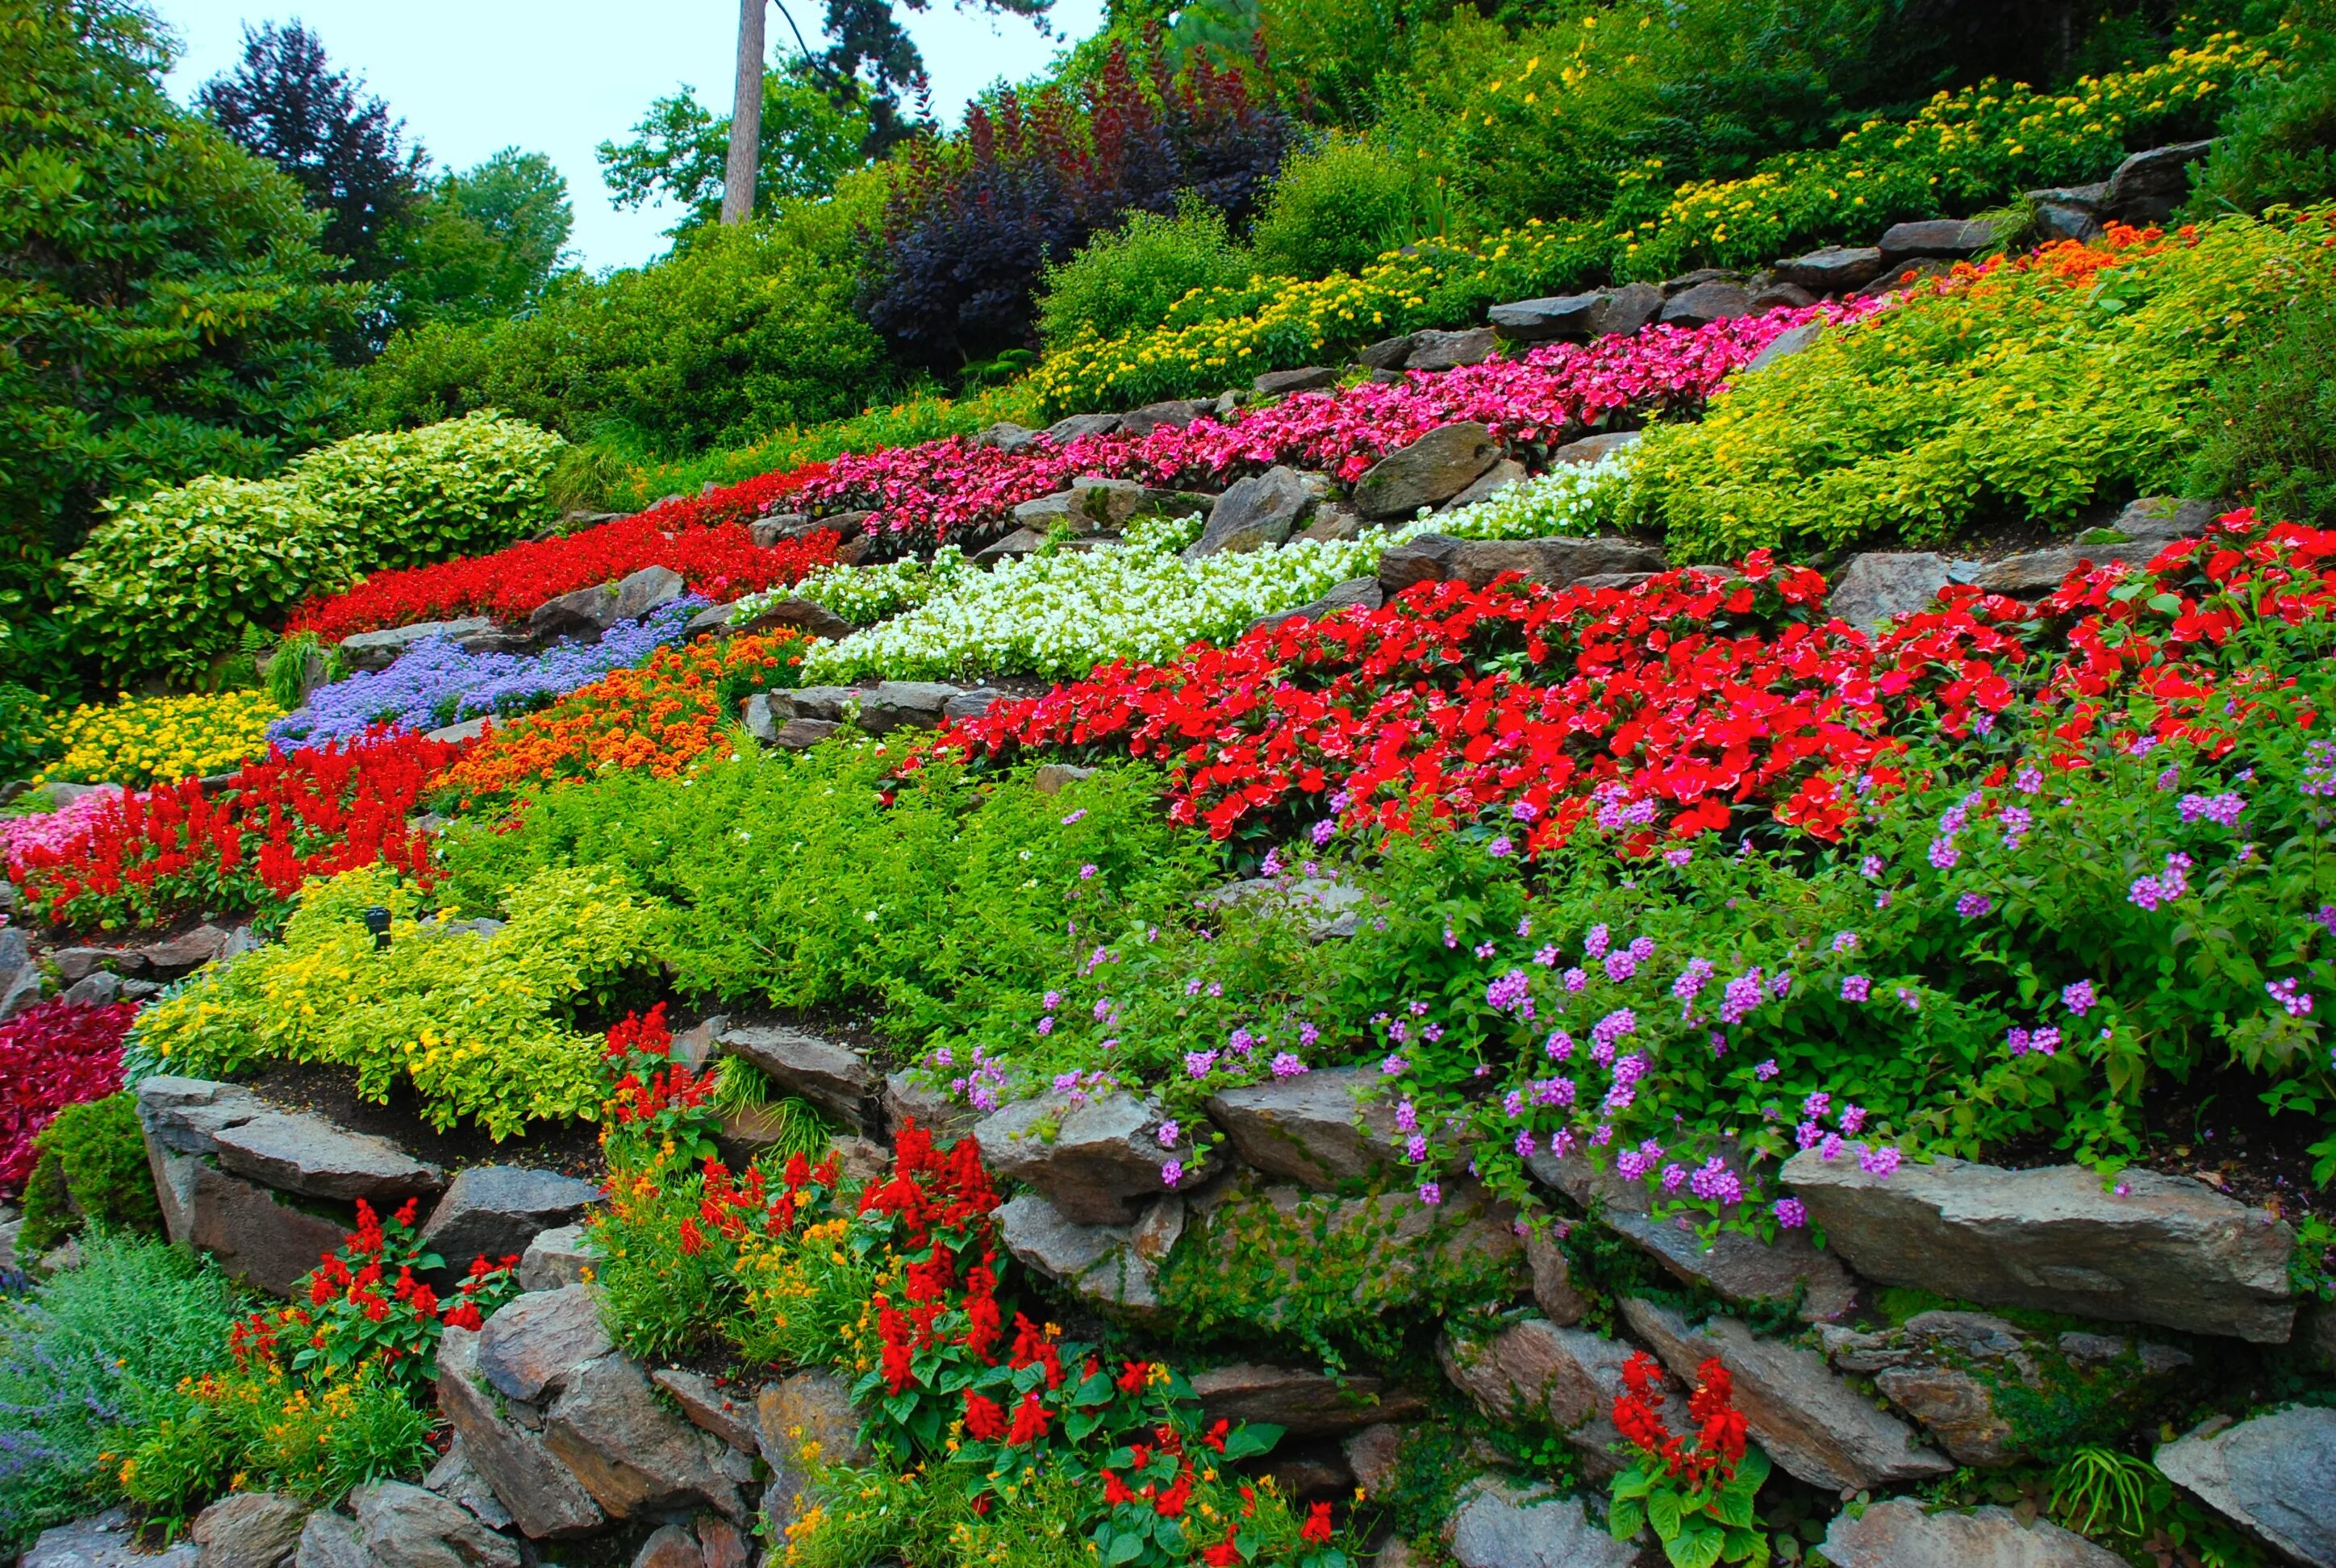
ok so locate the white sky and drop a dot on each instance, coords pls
(560, 76)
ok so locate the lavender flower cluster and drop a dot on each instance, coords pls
(436, 683)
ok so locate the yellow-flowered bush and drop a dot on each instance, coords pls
(478, 1024)
(1963, 152)
(141, 741)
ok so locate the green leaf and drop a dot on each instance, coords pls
(1663, 1512)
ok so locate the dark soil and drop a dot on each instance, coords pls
(571, 1148)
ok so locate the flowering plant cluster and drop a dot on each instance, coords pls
(703, 538)
(653, 1101)
(1062, 614)
(436, 683)
(1697, 1490)
(137, 859)
(366, 1305)
(139, 741)
(473, 1023)
(53, 1054)
(662, 717)
(21, 836)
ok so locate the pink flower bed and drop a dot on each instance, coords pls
(19, 836)
(942, 490)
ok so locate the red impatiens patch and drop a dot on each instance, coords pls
(703, 538)
(53, 1054)
(145, 858)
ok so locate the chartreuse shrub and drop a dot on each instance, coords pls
(89, 1167)
(91, 1356)
(1339, 206)
(167, 584)
(814, 878)
(475, 1023)
(145, 740)
(1962, 151)
(2269, 423)
(2033, 389)
(461, 487)
(1128, 277)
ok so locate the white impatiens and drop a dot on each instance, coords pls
(1058, 615)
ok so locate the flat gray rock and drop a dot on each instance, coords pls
(1355, 593)
(1557, 562)
(2033, 573)
(1063, 432)
(1897, 1533)
(2166, 518)
(833, 1077)
(1503, 1524)
(2171, 1250)
(589, 611)
(1103, 1163)
(375, 650)
(2148, 186)
(1706, 303)
(792, 614)
(1433, 350)
(1950, 237)
(1596, 448)
(2274, 1475)
(1534, 1370)
(1618, 312)
(331, 1541)
(1304, 1402)
(908, 1096)
(494, 1212)
(1255, 512)
(1785, 345)
(556, 1257)
(454, 1477)
(729, 1415)
(177, 954)
(406, 1527)
(1886, 585)
(630, 1451)
(1434, 467)
(1305, 378)
(543, 1496)
(1544, 320)
(248, 1530)
(295, 1152)
(1098, 1263)
(1321, 1128)
(1835, 269)
(102, 1540)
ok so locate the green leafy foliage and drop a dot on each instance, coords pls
(169, 313)
(2278, 143)
(93, 1351)
(475, 1024)
(482, 242)
(679, 150)
(169, 584)
(2269, 416)
(461, 487)
(89, 1167)
(1339, 206)
(28, 730)
(2030, 392)
(1127, 279)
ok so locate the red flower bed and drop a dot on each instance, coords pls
(145, 858)
(51, 1055)
(703, 538)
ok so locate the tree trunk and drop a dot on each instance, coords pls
(745, 117)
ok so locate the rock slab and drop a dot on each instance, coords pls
(1898, 1535)
(2274, 1475)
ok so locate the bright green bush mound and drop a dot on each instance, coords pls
(1340, 206)
(476, 1024)
(89, 1167)
(461, 487)
(169, 584)
(1127, 279)
(95, 1353)
(2030, 392)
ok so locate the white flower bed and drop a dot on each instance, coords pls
(1058, 616)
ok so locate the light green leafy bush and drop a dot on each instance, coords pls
(474, 1022)
(1127, 279)
(1339, 206)
(168, 583)
(2034, 390)
(2270, 418)
(461, 487)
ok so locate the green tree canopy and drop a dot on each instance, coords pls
(678, 148)
(485, 241)
(164, 309)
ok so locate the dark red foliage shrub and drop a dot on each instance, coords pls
(973, 220)
(51, 1055)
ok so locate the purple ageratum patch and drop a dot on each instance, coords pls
(436, 683)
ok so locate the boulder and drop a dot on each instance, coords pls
(2033, 573)
(1320, 1129)
(1014, 546)
(2274, 1476)
(1785, 345)
(1536, 1370)
(330, 1541)
(376, 650)
(1451, 350)
(1054, 777)
(794, 614)
(1897, 1533)
(248, 1530)
(1176, 412)
(1735, 1265)
(406, 1527)
(1809, 1420)
(20, 988)
(1775, 294)
(456, 1479)
(101, 989)
(760, 717)
(972, 704)
(1553, 562)
(1545, 320)
(1836, 269)
(1554, 1289)
(1100, 1264)
(1330, 908)
(908, 1096)
(470, 729)
(256, 1236)
(1503, 474)
(72, 964)
(729, 1416)
(904, 704)
(589, 611)
(834, 1077)
(1078, 427)
(1951, 238)
(1306, 378)
(2068, 212)
(1303, 1402)
(2165, 518)
(494, 1212)
(1956, 1409)
(770, 528)
(1624, 310)
(1595, 448)
(176, 955)
(106, 1540)
(1374, 1456)
(529, 1347)
(1102, 1163)
(1705, 303)
(2148, 186)
(669, 1546)
(1906, 275)
(805, 1419)
(1388, 353)
(295, 1152)
(1886, 585)
(2170, 1251)
(1334, 523)
(803, 734)
(1355, 593)
(1501, 1523)
(1436, 467)
(631, 1452)
(721, 1543)
(544, 1498)
(1007, 436)
(1254, 513)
